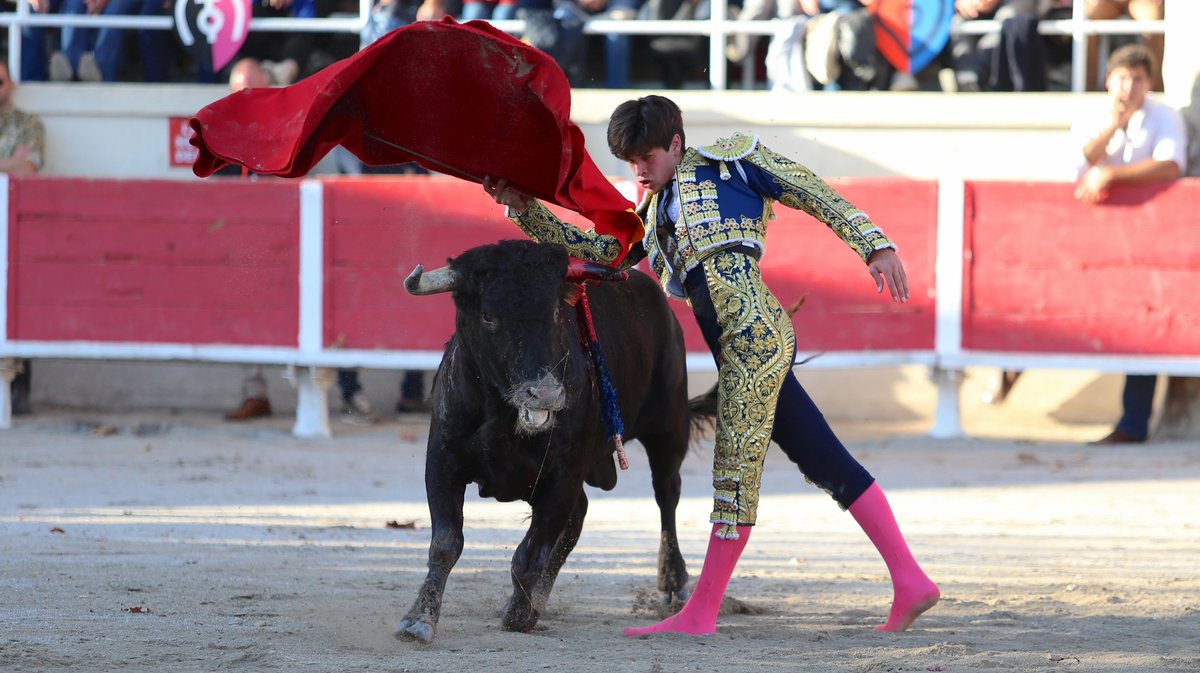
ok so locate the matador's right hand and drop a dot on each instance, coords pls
(506, 195)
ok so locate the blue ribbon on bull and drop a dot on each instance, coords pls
(610, 410)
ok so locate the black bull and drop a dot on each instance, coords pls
(516, 410)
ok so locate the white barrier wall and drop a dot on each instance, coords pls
(121, 130)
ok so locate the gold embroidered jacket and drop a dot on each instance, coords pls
(726, 195)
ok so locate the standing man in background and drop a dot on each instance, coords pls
(1137, 140)
(22, 140)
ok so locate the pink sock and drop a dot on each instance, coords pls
(912, 591)
(699, 615)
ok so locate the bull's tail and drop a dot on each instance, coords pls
(703, 412)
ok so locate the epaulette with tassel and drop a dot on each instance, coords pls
(738, 146)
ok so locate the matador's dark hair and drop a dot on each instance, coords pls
(1132, 56)
(638, 126)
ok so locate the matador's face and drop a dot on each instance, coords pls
(655, 168)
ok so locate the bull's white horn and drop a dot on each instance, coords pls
(439, 280)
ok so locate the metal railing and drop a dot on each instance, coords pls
(717, 28)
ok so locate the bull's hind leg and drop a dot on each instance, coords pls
(446, 514)
(666, 456)
(535, 555)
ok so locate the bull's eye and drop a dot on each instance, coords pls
(488, 321)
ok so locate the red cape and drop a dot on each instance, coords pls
(463, 99)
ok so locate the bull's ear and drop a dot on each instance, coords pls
(580, 270)
(439, 280)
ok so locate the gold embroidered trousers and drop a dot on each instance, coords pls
(757, 345)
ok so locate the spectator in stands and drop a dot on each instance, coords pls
(1135, 140)
(557, 29)
(93, 55)
(22, 139)
(296, 47)
(249, 73)
(618, 49)
(34, 48)
(292, 56)
(388, 15)
(493, 10)
(1007, 60)
(676, 55)
(1139, 10)
(839, 48)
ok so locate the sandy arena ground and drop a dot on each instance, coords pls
(179, 543)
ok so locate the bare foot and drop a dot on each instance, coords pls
(908, 604)
(678, 623)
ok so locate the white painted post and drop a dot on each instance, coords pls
(312, 391)
(9, 368)
(1079, 49)
(312, 402)
(717, 69)
(947, 339)
(1181, 61)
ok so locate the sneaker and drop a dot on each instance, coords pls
(1118, 437)
(948, 80)
(357, 411)
(60, 68)
(903, 81)
(88, 70)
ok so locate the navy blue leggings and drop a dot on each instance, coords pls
(800, 428)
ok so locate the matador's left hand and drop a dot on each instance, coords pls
(885, 267)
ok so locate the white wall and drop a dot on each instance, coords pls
(121, 130)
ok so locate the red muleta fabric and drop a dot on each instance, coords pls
(463, 99)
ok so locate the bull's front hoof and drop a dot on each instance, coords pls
(521, 620)
(415, 629)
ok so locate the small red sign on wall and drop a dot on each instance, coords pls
(182, 154)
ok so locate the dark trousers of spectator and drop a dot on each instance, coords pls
(412, 386)
(1137, 401)
(20, 390)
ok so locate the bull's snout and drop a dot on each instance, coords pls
(536, 402)
(541, 395)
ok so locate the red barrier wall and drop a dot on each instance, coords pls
(379, 229)
(154, 261)
(841, 311)
(217, 262)
(1047, 273)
